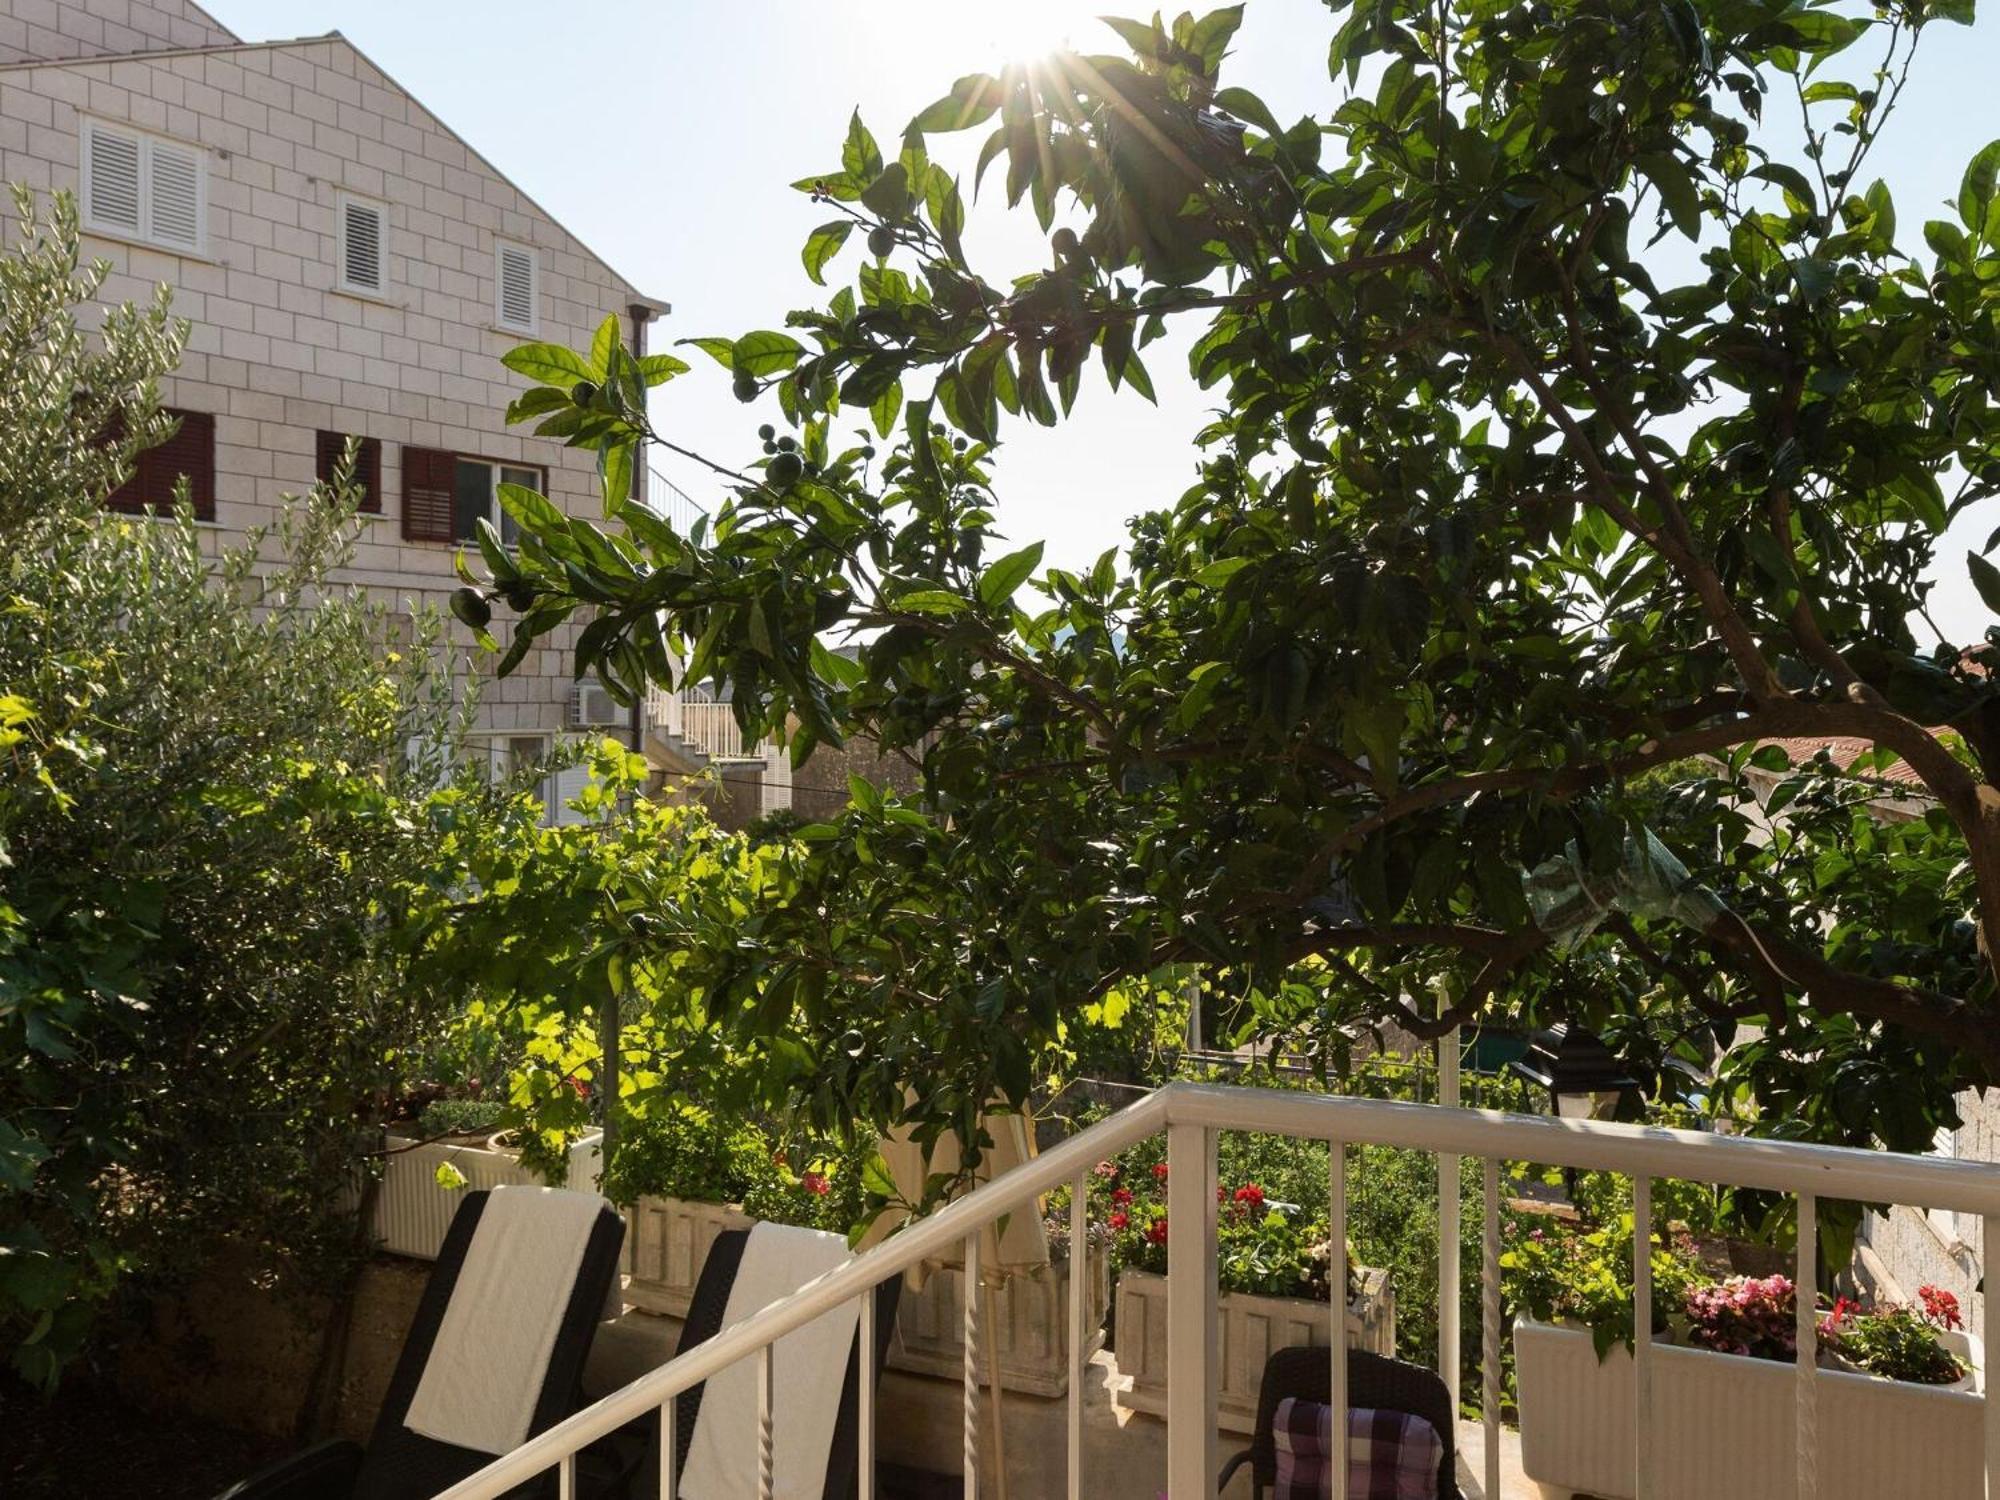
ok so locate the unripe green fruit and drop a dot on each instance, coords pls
(519, 596)
(583, 392)
(766, 431)
(788, 443)
(770, 447)
(471, 607)
(745, 387)
(881, 241)
(785, 470)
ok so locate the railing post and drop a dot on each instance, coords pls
(1080, 1279)
(1642, 1337)
(1336, 1235)
(969, 1376)
(1489, 1327)
(1989, 1329)
(1191, 1344)
(1805, 1292)
(1450, 1280)
(865, 1446)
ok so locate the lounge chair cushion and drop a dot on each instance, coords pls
(1390, 1455)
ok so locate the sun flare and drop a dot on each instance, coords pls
(1018, 30)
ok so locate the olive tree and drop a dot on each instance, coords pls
(1584, 425)
(208, 842)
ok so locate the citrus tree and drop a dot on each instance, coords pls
(1584, 425)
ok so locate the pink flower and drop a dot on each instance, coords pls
(1106, 1169)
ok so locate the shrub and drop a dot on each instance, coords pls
(1562, 1274)
(459, 1117)
(1899, 1343)
(208, 837)
(689, 1152)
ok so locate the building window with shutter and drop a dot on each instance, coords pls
(447, 495)
(364, 246)
(143, 187)
(189, 454)
(367, 475)
(517, 288)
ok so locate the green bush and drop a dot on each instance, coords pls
(208, 838)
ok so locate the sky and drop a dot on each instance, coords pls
(665, 134)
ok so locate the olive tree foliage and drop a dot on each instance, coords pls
(207, 842)
(1583, 423)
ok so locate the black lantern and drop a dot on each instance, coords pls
(1582, 1076)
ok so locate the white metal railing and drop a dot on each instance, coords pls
(1192, 1115)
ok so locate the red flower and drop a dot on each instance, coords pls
(1158, 1232)
(1122, 1197)
(1221, 1193)
(1250, 1196)
(1940, 1306)
(816, 1184)
(1159, 1171)
(1119, 1220)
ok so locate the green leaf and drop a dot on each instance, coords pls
(550, 364)
(604, 344)
(883, 409)
(889, 194)
(822, 245)
(766, 352)
(1247, 106)
(1677, 191)
(658, 369)
(860, 159)
(1985, 578)
(998, 583)
(722, 351)
(1975, 193)
(448, 1177)
(614, 469)
(971, 101)
(1219, 572)
(532, 512)
(931, 602)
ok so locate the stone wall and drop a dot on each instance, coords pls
(1907, 1248)
(39, 29)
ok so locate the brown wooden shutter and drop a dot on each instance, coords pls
(367, 467)
(429, 479)
(189, 454)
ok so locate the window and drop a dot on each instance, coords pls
(516, 286)
(367, 476)
(364, 246)
(446, 495)
(189, 454)
(142, 187)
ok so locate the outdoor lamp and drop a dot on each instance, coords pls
(1581, 1075)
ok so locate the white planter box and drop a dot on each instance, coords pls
(666, 1240)
(1032, 1336)
(412, 1212)
(1250, 1329)
(1723, 1426)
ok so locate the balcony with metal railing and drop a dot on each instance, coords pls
(1812, 1454)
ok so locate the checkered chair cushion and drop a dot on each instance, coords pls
(1391, 1455)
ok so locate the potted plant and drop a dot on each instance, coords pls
(452, 1147)
(1274, 1277)
(1724, 1381)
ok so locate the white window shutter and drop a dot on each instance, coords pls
(111, 179)
(363, 246)
(516, 292)
(175, 198)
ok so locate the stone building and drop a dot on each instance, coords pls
(350, 266)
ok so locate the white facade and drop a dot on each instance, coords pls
(349, 266)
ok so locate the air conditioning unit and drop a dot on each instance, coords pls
(591, 706)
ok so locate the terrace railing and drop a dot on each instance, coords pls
(1192, 1115)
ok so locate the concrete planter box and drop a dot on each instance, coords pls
(666, 1240)
(1724, 1425)
(412, 1212)
(1250, 1330)
(1032, 1339)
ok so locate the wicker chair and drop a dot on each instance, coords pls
(704, 1321)
(1372, 1382)
(399, 1464)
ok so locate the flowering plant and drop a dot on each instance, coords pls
(1899, 1342)
(1264, 1245)
(1559, 1273)
(1754, 1316)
